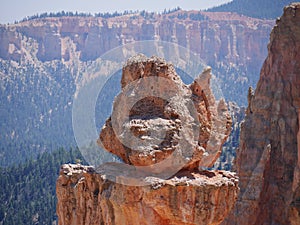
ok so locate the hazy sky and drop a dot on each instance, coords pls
(14, 10)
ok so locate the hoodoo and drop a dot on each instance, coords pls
(268, 161)
(163, 130)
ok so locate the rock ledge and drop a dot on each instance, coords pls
(86, 197)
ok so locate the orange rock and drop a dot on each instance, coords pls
(156, 115)
(87, 198)
(162, 129)
(268, 160)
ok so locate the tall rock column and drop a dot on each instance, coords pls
(268, 160)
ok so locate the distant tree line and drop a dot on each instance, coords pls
(171, 10)
(114, 14)
(77, 14)
(144, 13)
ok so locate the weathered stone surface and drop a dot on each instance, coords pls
(229, 149)
(222, 37)
(156, 115)
(268, 160)
(162, 129)
(86, 197)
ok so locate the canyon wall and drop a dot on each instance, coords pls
(233, 45)
(217, 37)
(268, 159)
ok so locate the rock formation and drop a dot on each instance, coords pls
(87, 198)
(164, 131)
(217, 36)
(153, 98)
(268, 160)
(228, 42)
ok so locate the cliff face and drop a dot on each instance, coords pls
(233, 45)
(269, 155)
(164, 131)
(225, 37)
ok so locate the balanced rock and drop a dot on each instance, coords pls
(163, 130)
(157, 117)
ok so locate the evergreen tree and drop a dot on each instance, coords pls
(27, 191)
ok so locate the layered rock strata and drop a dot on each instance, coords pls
(164, 131)
(268, 160)
(216, 36)
(233, 45)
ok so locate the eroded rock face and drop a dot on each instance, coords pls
(226, 37)
(233, 45)
(156, 114)
(87, 198)
(268, 161)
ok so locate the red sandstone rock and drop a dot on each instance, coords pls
(157, 115)
(87, 198)
(154, 129)
(268, 160)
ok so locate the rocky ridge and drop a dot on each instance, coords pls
(228, 36)
(268, 159)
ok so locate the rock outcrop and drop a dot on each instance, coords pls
(268, 160)
(164, 131)
(87, 198)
